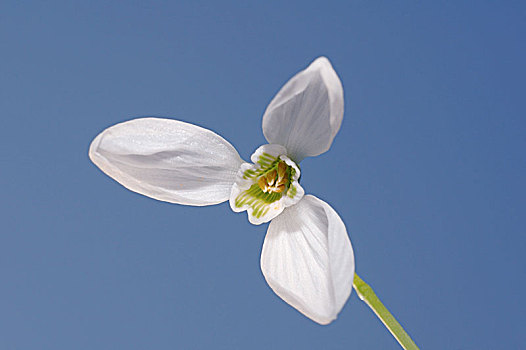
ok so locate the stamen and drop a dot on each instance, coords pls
(271, 177)
(283, 181)
(262, 183)
(282, 169)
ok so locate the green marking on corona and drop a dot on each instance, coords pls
(257, 199)
(292, 191)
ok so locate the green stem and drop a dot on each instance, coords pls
(366, 293)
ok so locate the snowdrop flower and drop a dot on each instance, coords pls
(307, 258)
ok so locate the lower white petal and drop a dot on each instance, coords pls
(307, 259)
(168, 160)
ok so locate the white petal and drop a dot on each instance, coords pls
(307, 259)
(168, 160)
(307, 112)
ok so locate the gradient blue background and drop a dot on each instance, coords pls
(427, 172)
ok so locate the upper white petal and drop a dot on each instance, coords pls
(307, 259)
(168, 160)
(307, 112)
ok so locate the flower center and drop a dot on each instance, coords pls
(268, 186)
(276, 180)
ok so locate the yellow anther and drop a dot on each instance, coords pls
(271, 177)
(282, 169)
(283, 181)
(262, 183)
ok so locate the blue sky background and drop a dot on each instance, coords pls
(427, 172)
